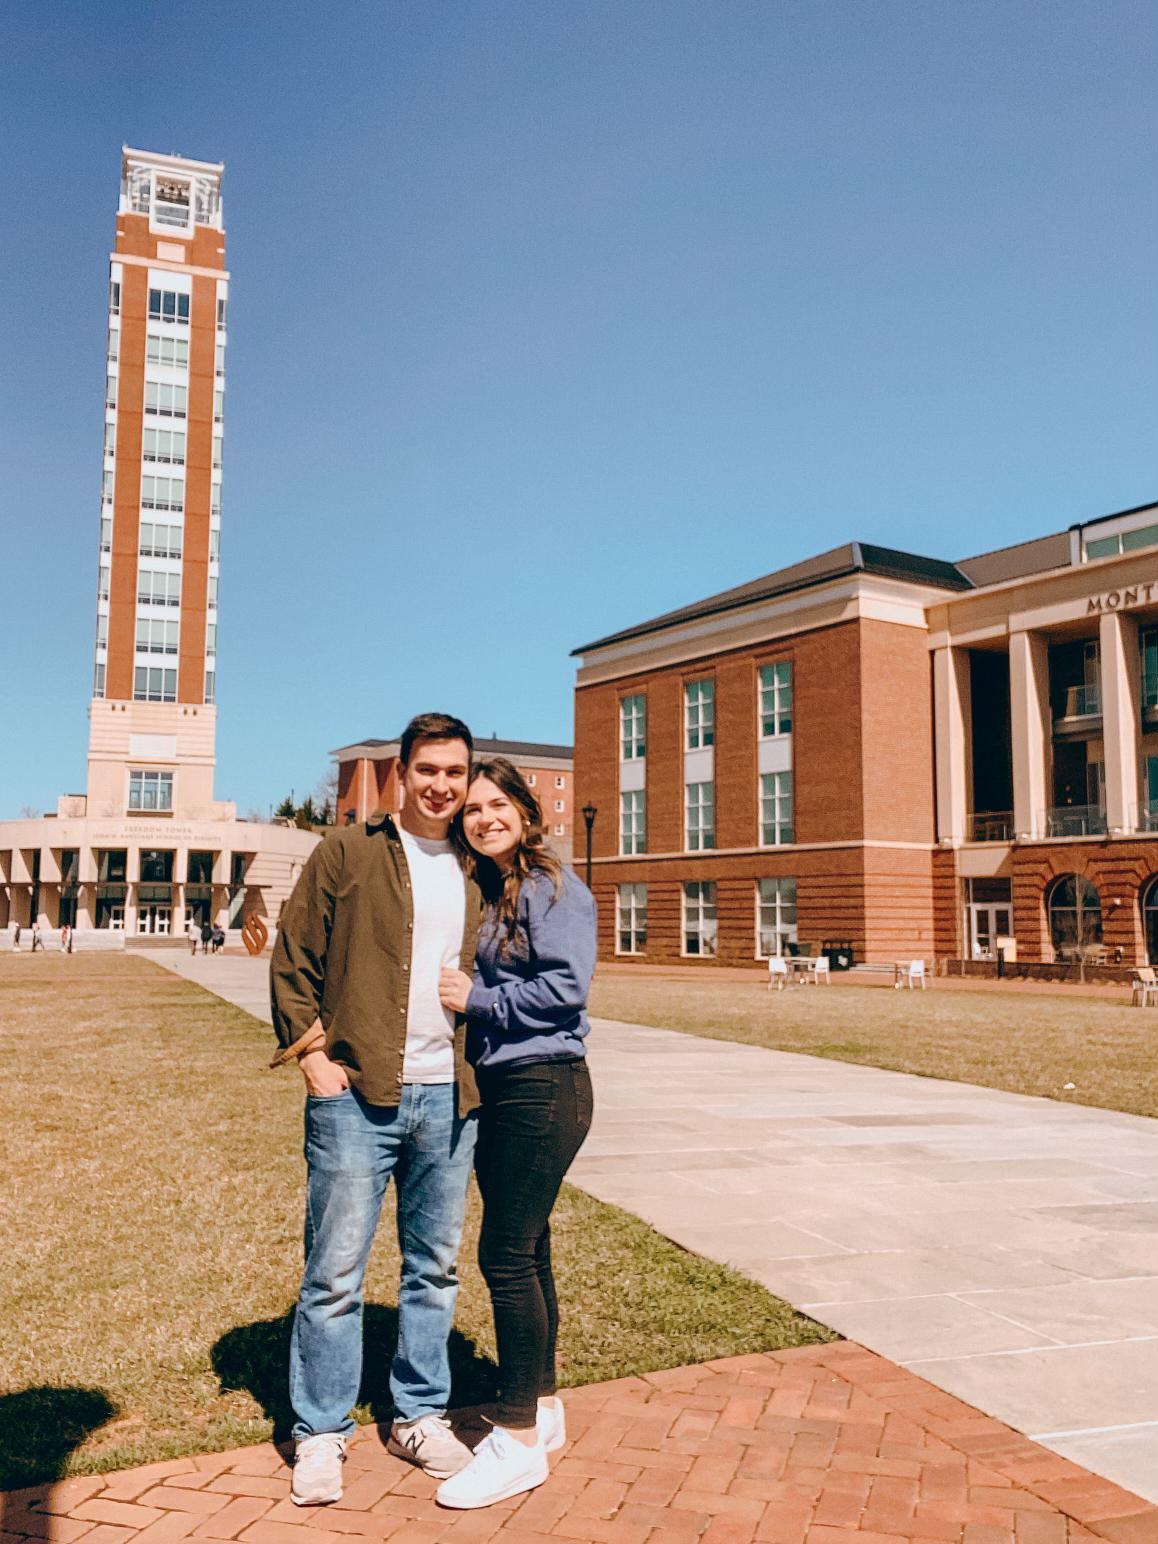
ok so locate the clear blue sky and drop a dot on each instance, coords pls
(550, 317)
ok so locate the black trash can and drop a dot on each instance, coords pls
(839, 951)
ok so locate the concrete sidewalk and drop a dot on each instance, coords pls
(1005, 1248)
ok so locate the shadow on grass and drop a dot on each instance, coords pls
(40, 1428)
(255, 1357)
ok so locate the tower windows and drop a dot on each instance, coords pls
(168, 306)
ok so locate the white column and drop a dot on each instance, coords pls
(952, 709)
(1031, 728)
(1121, 717)
(180, 877)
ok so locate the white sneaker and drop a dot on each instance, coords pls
(502, 1466)
(552, 1423)
(429, 1443)
(317, 1476)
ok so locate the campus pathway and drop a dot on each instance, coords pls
(819, 1445)
(1003, 1247)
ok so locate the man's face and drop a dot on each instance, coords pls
(434, 780)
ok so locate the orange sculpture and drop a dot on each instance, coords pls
(255, 934)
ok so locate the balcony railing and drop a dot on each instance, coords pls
(991, 826)
(1083, 702)
(1146, 815)
(1075, 820)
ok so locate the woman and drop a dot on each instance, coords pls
(527, 1024)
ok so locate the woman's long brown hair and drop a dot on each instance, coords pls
(501, 890)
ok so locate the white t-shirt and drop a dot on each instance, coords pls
(439, 894)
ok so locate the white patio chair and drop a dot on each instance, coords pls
(915, 974)
(821, 975)
(1143, 986)
(777, 973)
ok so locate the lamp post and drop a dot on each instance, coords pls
(589, 814)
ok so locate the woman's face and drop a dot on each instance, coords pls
(491, 823)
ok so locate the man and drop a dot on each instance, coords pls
(378, 911)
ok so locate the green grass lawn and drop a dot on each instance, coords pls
(1026, 1043)
(152, 1238)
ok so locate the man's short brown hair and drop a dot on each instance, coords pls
(433, 726)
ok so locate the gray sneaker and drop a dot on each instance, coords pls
(429, 1443)
(317, 1477)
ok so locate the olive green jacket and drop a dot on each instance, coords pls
(343, 956)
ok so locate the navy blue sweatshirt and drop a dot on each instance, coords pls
(530, 1004)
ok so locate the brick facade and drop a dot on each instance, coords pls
(862, 775)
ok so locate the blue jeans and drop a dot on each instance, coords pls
(352, 1149)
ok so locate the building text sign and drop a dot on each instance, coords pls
(1119, 600)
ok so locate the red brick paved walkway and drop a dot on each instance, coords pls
(822, 1445)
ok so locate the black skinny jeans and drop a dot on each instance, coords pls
(532, 1123)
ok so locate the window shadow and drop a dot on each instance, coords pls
(255, 1357)
(40, 1429)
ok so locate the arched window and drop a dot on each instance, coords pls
(1075, 916)
(1150, 920)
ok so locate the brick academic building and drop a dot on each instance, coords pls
(916, 756)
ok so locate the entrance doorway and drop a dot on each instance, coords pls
(154, 919)
(987, 923)
(988, 915)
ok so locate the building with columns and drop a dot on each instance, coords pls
(918, 757)
(147, 848)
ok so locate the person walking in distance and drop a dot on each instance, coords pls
(379, 910)
(193, 933)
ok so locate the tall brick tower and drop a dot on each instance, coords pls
(153, 720)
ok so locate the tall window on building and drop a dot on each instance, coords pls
(114, 344)
(1075, 916)
(168, 306)
(775, 699)
(218, 406)
(218, 451)
(150, 790)
(777, 824)
(211, 592)
(114, 297)
(632, 728)
(166, 400)
(173, 353)
(158, 587)
(106, 534)
(775, 916)
(211, 638)
(700, 816)
(103, 582)
(632, 822)
(164, 445)
(157, 636)
(153, 683)
(699, 713)
(98, 679)
(211, 686)
(110, 390)
(631, 919)
(160, 541)
(699, 922)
